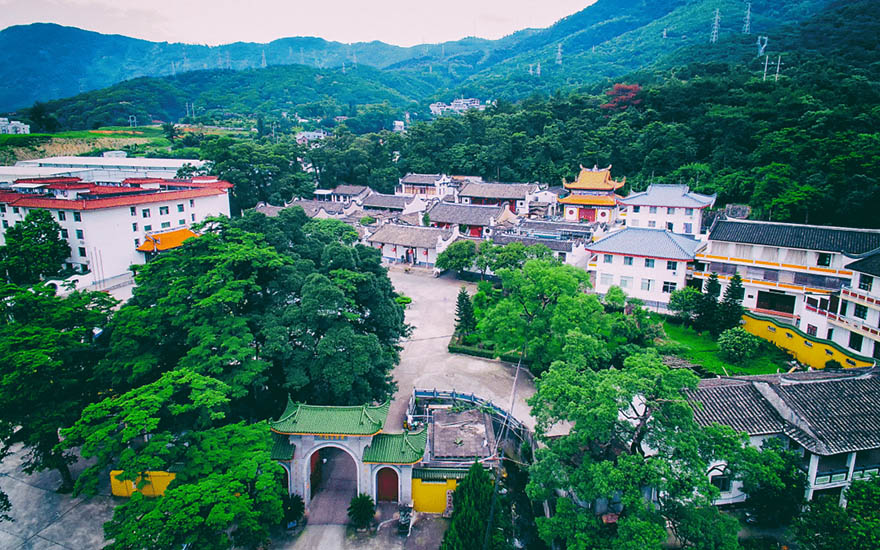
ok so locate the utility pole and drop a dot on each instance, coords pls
(531, 70)
(559, 54)
(766, 61)
(747, 20)
(778, 65)
(538, 69)
(664, 33)
(263, 60)
(716, 24)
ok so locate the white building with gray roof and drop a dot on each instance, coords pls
(411, 245)
(671, 207)
(648, 264)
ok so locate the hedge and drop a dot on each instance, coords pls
(468, 350)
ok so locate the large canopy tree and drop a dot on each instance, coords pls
(34, 249)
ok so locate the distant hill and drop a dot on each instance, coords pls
(602, 42)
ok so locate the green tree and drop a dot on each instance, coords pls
(171, 131)
(824, 525)
(616, 415)
(730, 309)
(465, 322)
(361, 510)
(707, 310)
(47, 375)
(34, 249)
(472, 501)
(459, 256)
(614, 299)
(686, 303)
(774, 482)
(738, 346)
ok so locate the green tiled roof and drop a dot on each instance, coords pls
(402, 448)
(314, 419)
(439, 474)
(282, 448)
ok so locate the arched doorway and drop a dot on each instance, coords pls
(333, 481)
(387, 485)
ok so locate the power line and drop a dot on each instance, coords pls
(716, 25)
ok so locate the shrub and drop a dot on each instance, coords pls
(738, 346)
(831, 364)
(403, 300)
(294, 507)
(367, 220)
(361, 510)
(468, 350)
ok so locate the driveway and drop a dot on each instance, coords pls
(425, 362)
(329, 505)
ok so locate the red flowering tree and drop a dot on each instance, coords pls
(622, 96)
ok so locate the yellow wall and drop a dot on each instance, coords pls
(430, 496)
(157, 482)
(808, 350)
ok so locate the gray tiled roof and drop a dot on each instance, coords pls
(825, 412)
(349, 189)
(655, 243)
(870, 264)
(423, 179)
(408, 235)
(390, 202)
(676, 196)
(515, 191)
(809, 237)
(553, 244)
(560, 228)
(466, 214)
(311, 207)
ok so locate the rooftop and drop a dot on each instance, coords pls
(461, 435)
(422, 179)
(669, 196)
(869, 264)
(590, 200)
(390, 202)
(109, 162)
(158, 242)
(46, 201)
(515, 191)
(399, 448)
(652, 243)
(558, 245)
(596, 179)
(302, 419)
(810, 237)
(464, 214)
(407, 235)
(349, 189)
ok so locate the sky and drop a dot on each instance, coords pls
(401, 22)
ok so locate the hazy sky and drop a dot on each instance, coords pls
(403, 22)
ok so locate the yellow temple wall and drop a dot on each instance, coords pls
(430, 496)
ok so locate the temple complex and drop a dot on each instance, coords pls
(592, 196)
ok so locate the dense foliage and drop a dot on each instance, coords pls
(824, 525)
(34, 249)
(472, 502)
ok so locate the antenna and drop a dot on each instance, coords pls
(716, 24)
(762, 45)
(263, 60)
(559, 54)
(747, 20)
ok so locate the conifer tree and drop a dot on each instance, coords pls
(465, 321)
(472, 500)
(707, 313)
(730, 309)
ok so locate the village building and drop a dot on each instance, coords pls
(830, 418)
(105, 225)
(312, 208)
(783, 264)
(342, 193)
(471, 220)
(13, 127)
(524, 199)
(430, 186)
(591, 197)
(648, 264)
(394, 203)
(410, 244)
(671, 207)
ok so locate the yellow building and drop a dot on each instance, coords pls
(592, 196)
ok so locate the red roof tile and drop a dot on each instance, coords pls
(31, 201)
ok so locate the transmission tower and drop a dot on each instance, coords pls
(538, 69)
(559, 54)
(343, 67)
(716, 24)
(354, 59)
(747, 20)
(762, 45)
(263, 60)
(531, 69)
(228, 61)
(778, 66)
(132, 121)
(766, 62)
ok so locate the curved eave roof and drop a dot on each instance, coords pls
(301, 419)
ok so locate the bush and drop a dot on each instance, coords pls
(367, 220)
(361, 510)
(468, 350)
(738, 346)
(831, 364)
(403, 300)
(294, 507)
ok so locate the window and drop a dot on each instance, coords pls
(670, 210)
(15, 210)
(134, 227)
(647, 284)
(829, 334)
(606, 279)
(669, 226)
(192, 217)
(61, 216)
(181, 222)
(180, 207)
(609, 258)
(855, 341)
(6, 225)
(64, 232)
(148, 228)
(77, 217)
(671, 266)
(722, 482)
(865, 282)
(688, 228)
(626, 282)
(137, 242)
(668, 287)
(166, 225)
(649, 262)
(145, 213)
(688, 211)
(79, 234)
(82, 252)
(133, 210)
(652, 223)
(843, 304)
(163, 210)
(824, 259)
(860, 311)
(652, 210)
(636, 209)
(876, 350)
(808, 343)
(2, 208)
(771, 328)
(192, 203)
(812, 330)
(627, 260)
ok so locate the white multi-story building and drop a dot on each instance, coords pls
(648, 264)
(13, 127)
(781, 264)
(671, 207)
(111, 168)
(105, 225)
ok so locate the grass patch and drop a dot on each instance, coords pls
(702, 349)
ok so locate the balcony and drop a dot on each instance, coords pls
(853, 325)
(859, 296)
